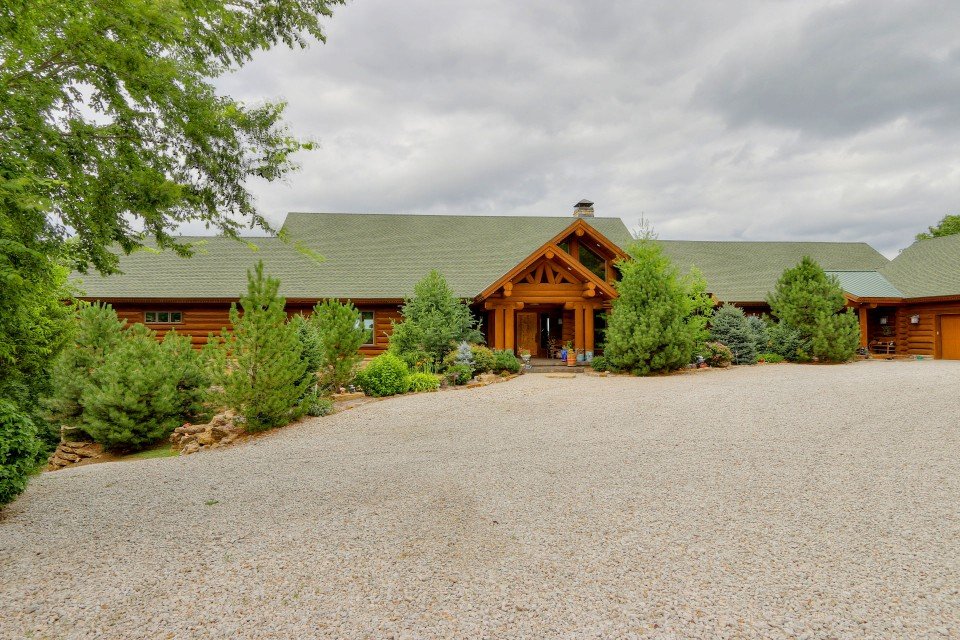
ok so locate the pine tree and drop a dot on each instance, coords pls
(730, 327)
(132, 400)
(96, 332)
(435, 321)
(189, 375)
(340, 336)
(265, 380)
(812, 302)
(658, 318)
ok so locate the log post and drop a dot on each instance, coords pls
(864, 338)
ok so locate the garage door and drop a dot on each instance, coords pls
(950, 337)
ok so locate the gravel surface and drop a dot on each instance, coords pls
(770, 502)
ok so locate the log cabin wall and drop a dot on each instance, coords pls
(921, 338)
(199, 319)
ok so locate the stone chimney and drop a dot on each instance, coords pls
(583, 209)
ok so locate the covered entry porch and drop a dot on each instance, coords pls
(545, 328)
(552, 299)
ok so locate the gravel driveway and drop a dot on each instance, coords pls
(769, 501)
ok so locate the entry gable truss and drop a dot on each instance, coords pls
(548, 275)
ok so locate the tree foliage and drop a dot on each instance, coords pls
(340, 335)
(20, 449)
(659, 317)
(110, 124)
(729, 326)
(949, 225)
(812, 303)
(435, 321)
(265, 379)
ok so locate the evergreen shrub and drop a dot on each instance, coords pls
(770, 358)
(458, 374)
(758, 326)
(133, 399)
(96, 332)
(505, 362)
(435, 321)
(340, 335)
(385, 375)
(729, 326)
(600, 363)
(483, 359)
(319, 406)
(717, 355)
(786, 341)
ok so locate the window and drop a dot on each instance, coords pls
(565, 245)
(592, 261)
(366, 321)
(162, 317)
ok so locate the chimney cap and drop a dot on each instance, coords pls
(584, 203)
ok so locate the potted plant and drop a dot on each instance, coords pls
(571, 355)
(525, 356)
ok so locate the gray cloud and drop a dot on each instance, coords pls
(847, 68)
(680, 112)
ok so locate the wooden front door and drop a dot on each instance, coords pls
(950, 337)
(527, 332)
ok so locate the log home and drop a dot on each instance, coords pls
(535, 282)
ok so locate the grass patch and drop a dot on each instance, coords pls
(165, 450)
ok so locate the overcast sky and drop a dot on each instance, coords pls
(799, 120)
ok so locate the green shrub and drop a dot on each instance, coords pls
(770, 358)
(786, 341)
(730, 327)
(812, 302)
(96, 331)
(659, 318)
(19, 450)
(341, 334)
(385, 375)
(505, 362)
(600, 363)
(458, 374)
(265, 379)
(434, 322)
(133, 400)
(420, 381)
(319, 406)
(761, 340)
(717, 355)
(483, 359)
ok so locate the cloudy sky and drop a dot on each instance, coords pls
(807, 120)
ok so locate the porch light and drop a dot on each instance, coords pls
(915, 319)
(883, 320)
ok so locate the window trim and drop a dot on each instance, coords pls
(373, 326)
(156, 316)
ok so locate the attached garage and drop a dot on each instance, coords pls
(949, 337)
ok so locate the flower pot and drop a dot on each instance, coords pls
(571, 358)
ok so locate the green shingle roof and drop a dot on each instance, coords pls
(382, 256)
(866, 284)
(747, 271)
(365, 256)
(927, 268)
